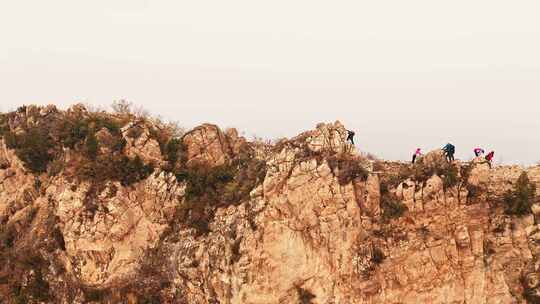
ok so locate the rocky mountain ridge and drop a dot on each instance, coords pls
(102, 207)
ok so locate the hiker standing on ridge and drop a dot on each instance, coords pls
(489, 157)
(350, 136)
(416, 154)
(478, 151)
(449, 151)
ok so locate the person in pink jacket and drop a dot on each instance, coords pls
(416, 154)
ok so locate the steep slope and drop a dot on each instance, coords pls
(116, 208)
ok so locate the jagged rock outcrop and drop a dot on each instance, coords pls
(123, 213)
(208, 145)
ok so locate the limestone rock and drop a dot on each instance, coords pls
(302, 235)
(207, 144)
(434, 158)
(143, 145)
(479, 175)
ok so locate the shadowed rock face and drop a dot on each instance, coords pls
(315, 229)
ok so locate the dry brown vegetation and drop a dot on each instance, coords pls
(41, 147)
(347, 168)
(391, 207)
(519, 200)
(210, 187)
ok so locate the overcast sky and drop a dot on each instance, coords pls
(400, 73)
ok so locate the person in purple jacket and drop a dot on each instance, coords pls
(478, 151)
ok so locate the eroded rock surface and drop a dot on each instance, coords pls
(312, 230)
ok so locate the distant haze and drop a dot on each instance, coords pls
(402, 74)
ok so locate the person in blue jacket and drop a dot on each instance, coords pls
(449, 151)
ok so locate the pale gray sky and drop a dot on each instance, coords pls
(401, 73)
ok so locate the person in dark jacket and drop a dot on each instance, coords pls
(350, 136)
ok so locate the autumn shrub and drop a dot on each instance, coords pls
(449, 173)
(208, 188)
(76, 129)
(530, 292)
(161, 136)
(8, 235)
(91, 146)
(22, 266)
(250, 172)
(132, 170)
(150, 299)
(393, 179)
(489, 247)
(305, 296)
(473, 191)
(121, 168)
(422, 172)
(347, 168)
(228, 183)
(377, 256)
(59, 238)
(370, 258)
(33, 147)
(205, 183)
(10, 139)
(55, 167)
(118, 144)
(122, 107)
(72, 132)
(3, 124)
(96, 295)
(450, 176)
(135, 131)
(173, 151)
(80, 134)
(519, 200)
(36, 288)
(100, 121)
(391, 207)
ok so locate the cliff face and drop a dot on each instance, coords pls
(117, 209)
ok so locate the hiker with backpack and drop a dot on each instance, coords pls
(416, 154)
(478, 151)
(449, 151)
(350, 136)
